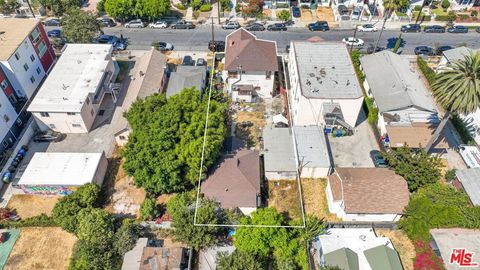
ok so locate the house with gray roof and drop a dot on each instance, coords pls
(278, 154)
(406, 110)
(324, 87)
(186, 77)
(444, 241)
(470, 183)
(312, 149)
(452, 55)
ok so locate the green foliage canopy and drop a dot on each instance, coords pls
(80, 26)
(238, 261)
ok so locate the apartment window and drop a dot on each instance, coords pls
(6, 118)
(32, 79)
(4, 84)
(122, 138)
(35, 35)
(76, 125)
(39, 70)
(269, 75)
(25, 43)
(42, 48)
(17, 56)
(25, 66)
(5, 144)
(70, 113)
(44, 114)
(32, 57)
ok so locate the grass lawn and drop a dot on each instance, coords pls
(27, 205)
(439, 11)
(403, 245)
(46, 248)
(284, 196)
(315, 199)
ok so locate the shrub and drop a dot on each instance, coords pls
(474, 13)
(238, 8)
(445, 4)
(462, 129)
(450, 175)
(425, 258)
(417, 8)
(284, 15)
(36, 221)
(452, 16)
(463, 17)
(205, 7)
(148, 209)
(371, 110)
(180, 6)
(426, 70)
(195, 4)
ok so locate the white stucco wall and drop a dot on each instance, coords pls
(280, 175)
(247, 210)
(8, 115)
(61, 122)
(255, 78)
(308, 172)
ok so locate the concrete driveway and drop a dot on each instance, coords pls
(354, 151)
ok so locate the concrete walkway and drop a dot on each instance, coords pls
(189, 15)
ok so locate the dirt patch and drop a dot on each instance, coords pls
(41, 249)
(325, 14)
(315, 199)
(403, 245)
(306, 15)
(250, 123)
(27, 205)
(284, 196)
(164, 198)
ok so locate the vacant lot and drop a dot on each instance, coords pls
(41, 249)
(315, 200)
(402, 244)
(284, 196)
(32, 205)
(254, 115)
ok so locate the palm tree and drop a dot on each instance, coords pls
(457, 89)
(389, 6)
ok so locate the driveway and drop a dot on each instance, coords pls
(354, 151)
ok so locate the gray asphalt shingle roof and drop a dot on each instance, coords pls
(186, 77)
(394, 83)
(457, 53)
(470, 179)
(312, 147)
(325, 70)
(278, 150)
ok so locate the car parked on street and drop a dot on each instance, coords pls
(106, 22)
(218, 45)
(55, 33)
(162, 46)
(277, 27)
(115, 41)
(187, 61)
(351, 41)
(296, 12)
(137, 23)
(49, 136)
(342, 10)
(367, 28)
(201, 62)
(378, 160)
(411, 28)
(255, 27)
(183, 25)
(477, 29)
(424, 50)
(441, 49)
(458, 29)
(231, 25)
(434, 29)
(52, 22)
(371, 48)
(158, 25)
(319, 26)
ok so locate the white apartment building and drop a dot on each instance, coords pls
(70, 98)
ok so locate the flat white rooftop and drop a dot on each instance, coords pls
(57, 169)
(77, 73)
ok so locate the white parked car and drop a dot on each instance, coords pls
(351, 41)
(158, 25)
(135, 24)
(367, 28)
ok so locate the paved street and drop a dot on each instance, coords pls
(197, 39)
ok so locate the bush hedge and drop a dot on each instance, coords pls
(205, 8)
(36, 221)
(180, 6)
(426, 70)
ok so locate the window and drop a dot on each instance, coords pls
(32, 57)
(70, 113)
(76, 125)
(42, 48)
(35, 35)
(269, 75)
(44, 114)
(6, 118)
(32, 79)
(39, 70)
(25, 66)
(17, 56)
(4, 84)
(5, 144)
(25, 44)
(122, 138)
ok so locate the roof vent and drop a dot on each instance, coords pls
(79, 61)
(363, 237)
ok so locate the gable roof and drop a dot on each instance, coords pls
(252, 54)
(456, 54)
(235, 181)
(370, 190)
(383, 257)
(394, 83)
(470, 179)
(344, 258)
(186, 77)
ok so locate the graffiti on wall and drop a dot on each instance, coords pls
(48, 190)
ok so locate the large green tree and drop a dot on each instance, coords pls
(457, 89)
(80, 26)
(238, 261)
(126, 237)
(8, 6)
(151, 9)
(165, 147)
(417, 167)
(59, 7)
(119, 9)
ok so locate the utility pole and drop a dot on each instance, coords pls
(354, 35)
(30, 7)
(212, 43)
(218, 6)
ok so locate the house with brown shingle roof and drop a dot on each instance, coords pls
(367, 194)
(250, 66)
(235, 182)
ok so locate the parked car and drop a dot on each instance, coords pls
(162, 46)
(456, 29)
(356, 13)
(187, 61)
(137, 23)
(183, 25)
(477, 29)
(55, 33)
(441, 49)
(255, 27)
(371, 48)
(319, 26)
(49, 136)
(415, 28)
(367, 28)
(158, 25)
(378, 159)
(115, 41)
(201, 62)
(277, 27)
(296, 12)
(434, 29)
(351, 41)
(342, 10)
(425, 50)
(52, 22)
(218, 45)
(231, 25)
(107, 22)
